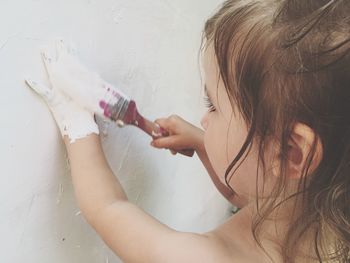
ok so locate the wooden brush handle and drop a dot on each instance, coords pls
(132, 116)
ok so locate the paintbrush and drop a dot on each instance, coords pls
(124, 112)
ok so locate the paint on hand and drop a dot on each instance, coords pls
(71, 119)
(83, 86)
(90, 91)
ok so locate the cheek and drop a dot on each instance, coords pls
(215, 142)
(243, 181)
(223, 146)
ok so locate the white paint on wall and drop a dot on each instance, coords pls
(150, 49)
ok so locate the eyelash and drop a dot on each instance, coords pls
(209, 104)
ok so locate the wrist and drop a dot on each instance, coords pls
(75, 123)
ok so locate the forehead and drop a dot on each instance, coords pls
(214, 85)
(210, 68)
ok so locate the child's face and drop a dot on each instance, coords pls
(225, 132)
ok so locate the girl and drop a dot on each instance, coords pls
(275, 139)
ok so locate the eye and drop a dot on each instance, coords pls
(209, 104)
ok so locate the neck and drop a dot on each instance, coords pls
(274, 230)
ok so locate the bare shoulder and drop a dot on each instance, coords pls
(230, 239)
(191, 247)
(235, 236)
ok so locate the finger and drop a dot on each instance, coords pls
(173, 152)
(164, 142)
(163, 122)
(159, 131)
(170, 124)
(172, 142)
(62, 48)
(39, 88)
(71, 48)
(60, 45)
(47, 58)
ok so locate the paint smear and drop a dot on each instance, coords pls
(78, 213)
(59, 194)
(118, 15)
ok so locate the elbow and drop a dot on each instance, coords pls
(92, 216)
(98, 216)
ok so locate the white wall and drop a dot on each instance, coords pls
(147, 47)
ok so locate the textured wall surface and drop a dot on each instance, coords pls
(149, 49)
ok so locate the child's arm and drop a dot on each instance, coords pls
(184, 135)
(130, 232)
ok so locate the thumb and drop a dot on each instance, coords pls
(164, 143)
(172, 124)
(162, 122)
(42, 90)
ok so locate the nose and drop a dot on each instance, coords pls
(204, 121)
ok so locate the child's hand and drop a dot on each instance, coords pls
(68, 74)
(182, 135)
(72, 120)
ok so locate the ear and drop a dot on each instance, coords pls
(300, 145)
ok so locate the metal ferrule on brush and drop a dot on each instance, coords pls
(118, 109)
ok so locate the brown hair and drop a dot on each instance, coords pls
(283, 62)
